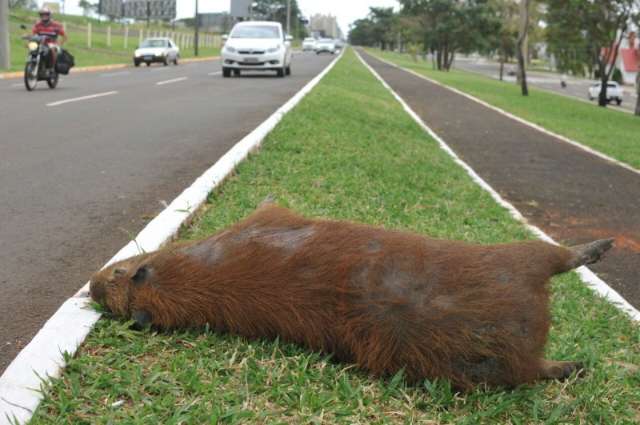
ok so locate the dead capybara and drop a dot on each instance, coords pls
(384, 300)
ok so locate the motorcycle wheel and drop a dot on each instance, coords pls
(52, 81)
(30, 77)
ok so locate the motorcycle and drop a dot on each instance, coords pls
(39, 65)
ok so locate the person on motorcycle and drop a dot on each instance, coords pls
(51, 30)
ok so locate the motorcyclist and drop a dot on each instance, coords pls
(53, 32)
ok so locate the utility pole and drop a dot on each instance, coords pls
(5, 53)
(197, 34)
(289, 17)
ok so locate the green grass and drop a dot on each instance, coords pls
(347, 151)
(611, 132)
(100, 53)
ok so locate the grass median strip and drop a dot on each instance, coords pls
(347, 151)
(608, 131)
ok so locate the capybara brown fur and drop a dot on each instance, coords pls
(384, 300)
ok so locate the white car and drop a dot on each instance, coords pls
(308, 44)
(257, 46)
(161, 49)
(614, 92)
(325, 45)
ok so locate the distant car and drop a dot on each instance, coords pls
(161, 49)
(257, 46)
(308, 44)
(614, 92)
(325, 45)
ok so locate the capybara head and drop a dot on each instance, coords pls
(116, 288)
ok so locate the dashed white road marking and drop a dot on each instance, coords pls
(173, 80)
(78, 99)
(17, 85)
(115, 74)
(215, 73)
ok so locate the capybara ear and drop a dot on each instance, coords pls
(142, 319)
(141, 275)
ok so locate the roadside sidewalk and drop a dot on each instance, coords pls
(19, 74)
(570, 194)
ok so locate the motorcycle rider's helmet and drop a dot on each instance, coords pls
(45, 14)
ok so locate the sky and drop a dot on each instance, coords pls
(346, 11)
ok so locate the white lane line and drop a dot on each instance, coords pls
(166, 68)
(17, 85)
(115, 74)
(599, 286)
(78, 99)
(174, 80)
(215, 73)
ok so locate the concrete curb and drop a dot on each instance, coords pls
(96, 68)
(587, 276)
(516, 118)
(64, 332)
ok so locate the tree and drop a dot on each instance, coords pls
(598, 28)
(276, 10)
(450, 27)
(504, 41)
(87, 7)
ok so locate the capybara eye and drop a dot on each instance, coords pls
(119, 272)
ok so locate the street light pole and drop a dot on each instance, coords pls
(197, 34)
(5, 52)
(289, 17)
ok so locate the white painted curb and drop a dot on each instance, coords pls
(516, 118)
(587, 276)
(69, 326)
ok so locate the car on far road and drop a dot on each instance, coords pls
(308, 44)
(325, 45)
(160, 49)
(257, 46)
(614, 92)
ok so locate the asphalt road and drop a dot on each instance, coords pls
(576, 87)
(85, 166)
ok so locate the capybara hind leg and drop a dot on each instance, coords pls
(550, 369)
(589, 253)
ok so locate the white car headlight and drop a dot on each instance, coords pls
(273, 49)
(230, 49)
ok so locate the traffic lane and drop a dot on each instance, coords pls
(17, 101)
(576, 87)
(71, 200)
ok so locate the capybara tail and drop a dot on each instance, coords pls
(588, 253)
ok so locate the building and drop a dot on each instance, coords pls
(324, 26)
(628, 58)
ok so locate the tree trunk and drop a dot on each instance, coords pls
(522, 39)
(452, 55)
(602, 97)
(439, 59)
(609, 58)
(501, 67)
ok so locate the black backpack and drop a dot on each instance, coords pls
(65, 62)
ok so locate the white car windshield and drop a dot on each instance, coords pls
(256, 31)
(154, 43)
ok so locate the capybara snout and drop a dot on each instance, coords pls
(385, 300)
